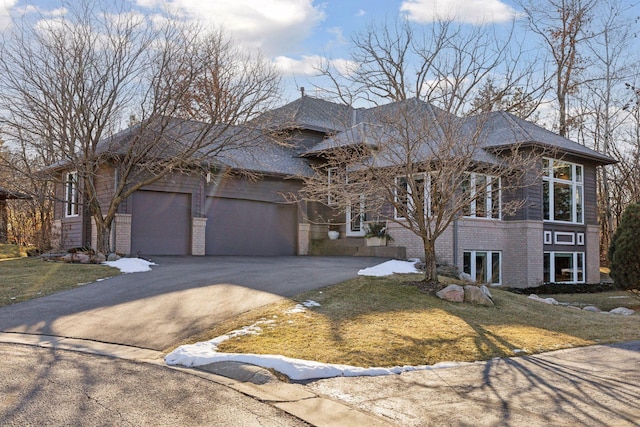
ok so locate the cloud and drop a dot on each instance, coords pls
(466, 11)
(309, 65)
(272, 25)
(361, 12)
(5, 13)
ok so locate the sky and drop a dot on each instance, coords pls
(294, 34)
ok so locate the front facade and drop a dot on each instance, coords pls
(554, 237)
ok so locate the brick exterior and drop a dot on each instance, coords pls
(519, 241)
(198, 235)
(120, 234)
(592, 242)
(304, 238)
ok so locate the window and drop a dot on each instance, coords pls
(483, 266)
(332, 174)
(411, 195)
(71, 194)
(484, 191)
(564, 267)
(562, 191)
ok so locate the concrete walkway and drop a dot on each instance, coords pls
(588, 386)
(180, 297)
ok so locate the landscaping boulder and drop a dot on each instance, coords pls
(485, 290)
(453, 293)
(574, 307)
(98, 258)
(592, 308)
(623, 311)
(113, 257)
(550, 301)
(475, 295)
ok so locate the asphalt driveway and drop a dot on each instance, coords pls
(178, 298)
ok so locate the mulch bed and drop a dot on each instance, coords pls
(426, 287)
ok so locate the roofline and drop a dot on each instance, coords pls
(598, 157)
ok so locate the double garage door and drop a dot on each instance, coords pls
(161, 225)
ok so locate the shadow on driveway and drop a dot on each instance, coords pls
(178, 298)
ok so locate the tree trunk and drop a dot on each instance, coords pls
(430, 270)
(103, 235)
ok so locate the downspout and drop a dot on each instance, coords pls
(455, 242)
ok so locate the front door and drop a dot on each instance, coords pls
(355, 219)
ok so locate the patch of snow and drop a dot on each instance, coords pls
(203, 353)
(131, 265)
(618, 297)
(301, 308)
(388, 268)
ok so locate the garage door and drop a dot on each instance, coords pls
(161, 223)
(247, 227)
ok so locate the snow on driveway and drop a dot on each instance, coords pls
(131, 265)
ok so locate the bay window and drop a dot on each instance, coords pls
(562, 191)
(484, 193)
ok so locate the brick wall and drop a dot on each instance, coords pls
(198, 235)
(519, 241)
(304, 238)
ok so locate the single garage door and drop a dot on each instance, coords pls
(161, 223)
(247, 227)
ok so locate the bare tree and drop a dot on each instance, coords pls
(416, 162)
(602, 98)
(422, 168)
(68, 84)
(563, 26)
(445, 64)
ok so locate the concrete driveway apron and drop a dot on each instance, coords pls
(178, 298)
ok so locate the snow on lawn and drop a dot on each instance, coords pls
(388, 268)
(131, 265)
(203, 353)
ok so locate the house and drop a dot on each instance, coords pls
(553, 238)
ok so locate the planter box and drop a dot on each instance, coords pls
(376, 241)
(333, 235)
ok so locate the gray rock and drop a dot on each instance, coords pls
(573, 307)
(485, 290)
(453, 293)
(550, 301)
(592, 308)
(475, 295)
(624, 311)
(113, 257)
(466, 277)
(99, 258)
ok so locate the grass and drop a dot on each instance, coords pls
(380, 322)
(27, 278)
(12, 251)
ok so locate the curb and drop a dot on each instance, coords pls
(249, 380)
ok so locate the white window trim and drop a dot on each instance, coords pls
(489, 273)
(580, 239)
(577, 186)
(552, 265)
(489, 198)
(548, 238)
(427, 194)
(564, 233)
(71, 196)
(331, 172)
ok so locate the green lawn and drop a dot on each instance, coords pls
(381, 322)
(12, 251)
(27, 278)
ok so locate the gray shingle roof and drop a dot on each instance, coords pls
(504, 129)
(309, 113)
